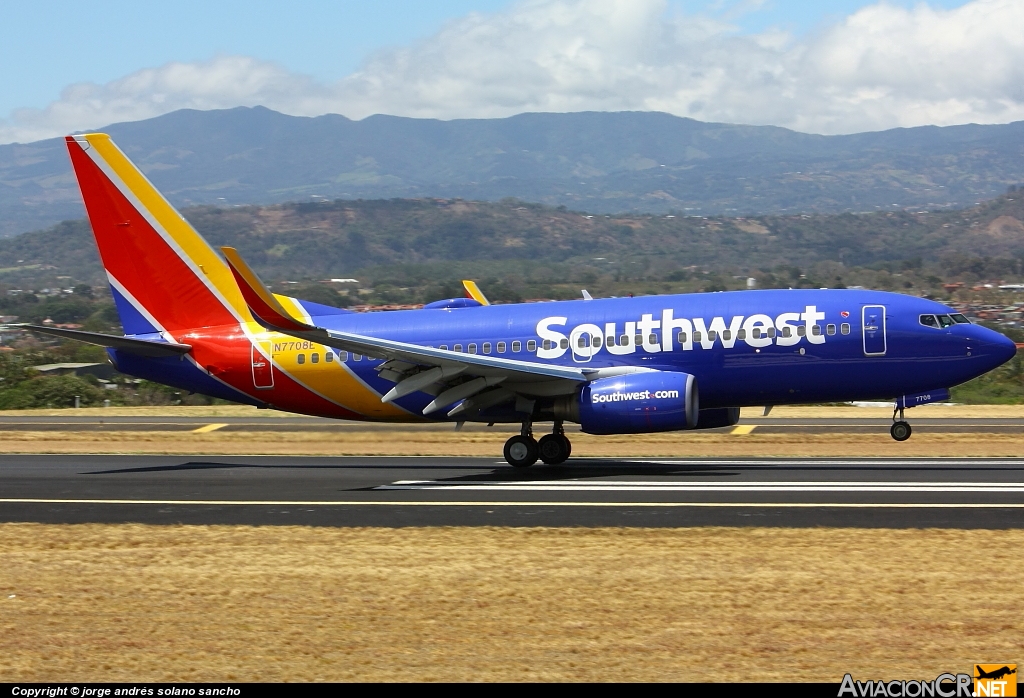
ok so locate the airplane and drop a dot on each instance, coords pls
(203, 321)
(996, 674)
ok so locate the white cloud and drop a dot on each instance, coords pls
(881, 67)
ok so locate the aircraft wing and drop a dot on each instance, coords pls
(141, 347)
(411, 366)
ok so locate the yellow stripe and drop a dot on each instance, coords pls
(743, 429)
(474, 292)
(334, 381)
(184, 235)
(208, 428)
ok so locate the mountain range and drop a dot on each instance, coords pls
(416, 242)
(600, 162)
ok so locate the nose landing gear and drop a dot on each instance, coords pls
(522, 450)
(900, 429)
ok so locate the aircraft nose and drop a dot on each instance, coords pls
(998, 346)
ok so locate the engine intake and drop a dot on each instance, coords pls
(637, 403)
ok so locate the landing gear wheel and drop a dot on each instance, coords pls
(568, 446)
(521, 451)
(900, 431)
(553, 449)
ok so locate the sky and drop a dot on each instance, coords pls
(831, 66)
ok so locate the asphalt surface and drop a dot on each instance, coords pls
(763, 425)
(414, 491)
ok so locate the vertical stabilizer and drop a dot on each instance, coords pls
(162, 273)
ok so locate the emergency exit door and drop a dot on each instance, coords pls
(873, 327)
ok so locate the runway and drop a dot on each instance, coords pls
(414, 491)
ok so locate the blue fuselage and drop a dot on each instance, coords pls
(901, 356)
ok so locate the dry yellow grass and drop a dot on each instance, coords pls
(357, 438)
(400, 441)
(140, 603)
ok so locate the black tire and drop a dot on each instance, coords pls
(553, 449)
(900, 431)
(568, 446)
(521, 451)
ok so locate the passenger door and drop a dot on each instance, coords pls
(873, 327)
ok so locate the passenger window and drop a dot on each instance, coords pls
(457, 347)
(357, 357)
(314, 357)
(329, 357)
(487, 348)
(301, 358)
(946, 321)
(929, 321)
(638, 340)
(787, 331)
(652, 339)
(801, 331)
(771, 332)
(501, 347)
(342, 356)
(597, 342)
(960, 319)
(712, 335)
(531, 345)
(472, 348)
(564, 344)
(517, 346)
(816, 330)
(726, 335)
(443, 347)
(547, 344)
(756, 333)
(624, 340)
(611, 341)
(845, 328)
(681, 337)
(830, 330)
(741, 334)
(581, 341)
(696, 336)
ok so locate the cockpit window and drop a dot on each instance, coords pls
(946, 321)
(929, 321)
(960, 319)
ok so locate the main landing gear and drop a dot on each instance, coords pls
(523, 450)
(900, 429)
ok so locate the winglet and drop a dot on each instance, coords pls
(473, 291)
(265, 308)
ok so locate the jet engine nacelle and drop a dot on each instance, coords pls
(718, 417)
(636, 403)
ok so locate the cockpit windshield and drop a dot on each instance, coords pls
(940, 321)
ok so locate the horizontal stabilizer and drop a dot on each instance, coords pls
(141, 347)
(261, 301)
